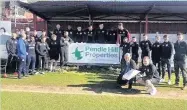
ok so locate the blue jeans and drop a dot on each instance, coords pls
(22, 66)
(31, 58)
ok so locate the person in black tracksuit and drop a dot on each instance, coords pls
(64, 43)
(134, 50)
(126, 49)
(148, 76)
(11, 46)
(80, 36)
(58, 32)
(111, 36)
(145, 46)
(180, 60)
(42, 49)
(90, 34)
(121, 34)
(31, 57)
(101, 33)
(156, 50)
(166, 54)
(54, 52)
(71, 32)
(37, 39)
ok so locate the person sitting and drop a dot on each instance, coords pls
(149, 76)
(128, 65)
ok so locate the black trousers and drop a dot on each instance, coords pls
(13, 63)
(124, 82)
(43, 62)
(182, 66)
(165, 62)
(135, 58)
(158, 65)
(63, 56)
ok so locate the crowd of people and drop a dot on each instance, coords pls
(155, 57)
(34, 52)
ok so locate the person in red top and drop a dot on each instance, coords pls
(121, 34)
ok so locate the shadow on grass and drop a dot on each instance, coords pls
(106, 86)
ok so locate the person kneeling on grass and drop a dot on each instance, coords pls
(148, 76)
(128, 65)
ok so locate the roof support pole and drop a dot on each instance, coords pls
(140, 31)
(35, 21)
(90, 19)
(45, 23)
(146, 25)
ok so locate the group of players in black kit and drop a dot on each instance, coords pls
(39, 49)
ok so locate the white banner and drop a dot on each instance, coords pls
(86, 53)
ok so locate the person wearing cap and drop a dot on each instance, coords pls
(156, 50)
(58, 31)
(122, 33)
(128, 65)
(166, 54)
(101, 33)
(134, 49)
(145, 46)
(64, 43)
(22, 54)
(42, 49)
(180, 60)
(149, 76)
(126, 49)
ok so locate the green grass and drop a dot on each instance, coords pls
(39, 101)
(53, 79)
(78, 79)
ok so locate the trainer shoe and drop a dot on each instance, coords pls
(169, 82)
(42, 73)
(153, 91)
(184, 88)
(176, 84)
(162, 80)
(148, 89)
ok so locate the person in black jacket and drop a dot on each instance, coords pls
(11, 46)
(101, 33)
(145, 46)
(54, 52)
(64, 43)
(126, 49)
(134, 50)
(121, 34)
(80, 36)
(149, 75)
(128, 65)
(112, 36)
(180, 60)
(58, 32)
(166, 54)
(156, 50)
(71, 32)
(42, 49)
(90, 34)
